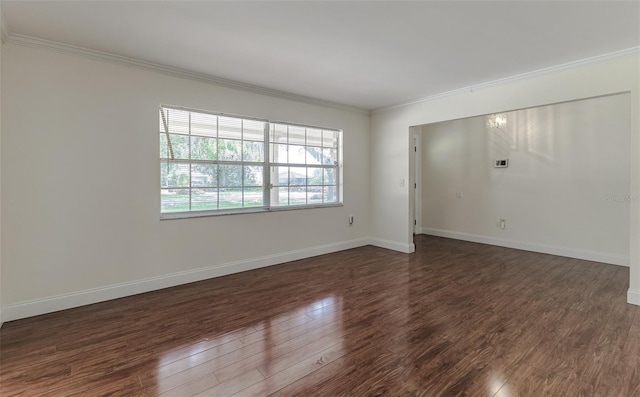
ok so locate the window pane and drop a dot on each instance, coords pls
(230, 175)
(314, 194)
(330, 139)
(280, 176)
(174, 174)
(204, 175)
(329, 176)
(314, 155)
(229, 150)
(204, 199)
(279, 196)
(164, 149)
(296, 135)
(230, 198)
(204, 148)
(253, 130)
(279, 153)
(178, 121)
(278, 133)
(297, 176)
(253, 151)
(314, 176)
(330, 194)
(253, 175)
(314, 137)
(229, 127)
(329, 156)
(297, 195)
(253, 197)
(204, 124)
(297, 154)
(172, 201)
(179, 143)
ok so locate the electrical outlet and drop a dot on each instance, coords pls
(350, 220)
(503, 224)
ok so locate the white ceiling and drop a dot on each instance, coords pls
(363, 54)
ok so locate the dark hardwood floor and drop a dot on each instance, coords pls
(454, 318)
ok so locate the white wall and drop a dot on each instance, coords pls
(390, 136)
(564, 192)
(1, 49)
(70, 118)
(81, 184)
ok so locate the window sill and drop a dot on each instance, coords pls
(200, 214)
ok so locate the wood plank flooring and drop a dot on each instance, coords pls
(454, 318)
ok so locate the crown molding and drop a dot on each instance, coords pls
(517, 77)
(5, 32)
(29, 41)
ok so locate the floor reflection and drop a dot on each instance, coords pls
(268, 347)
(454, 318)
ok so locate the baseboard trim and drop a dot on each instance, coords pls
(392, 245)
(596, 256)
(633, 296)
(87, 297)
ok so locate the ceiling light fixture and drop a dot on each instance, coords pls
(496, 120)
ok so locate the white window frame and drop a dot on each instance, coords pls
(267, 185)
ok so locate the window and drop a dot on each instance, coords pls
(214, 163)
(304, 165)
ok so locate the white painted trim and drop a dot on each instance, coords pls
(633, 296)
(87, 297)
(510, 79)
(596, 256)
(5, 32)
(417, 179)
(393, 245)
(29, 41)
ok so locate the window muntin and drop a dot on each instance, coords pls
(216, 163)
(303, 165)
